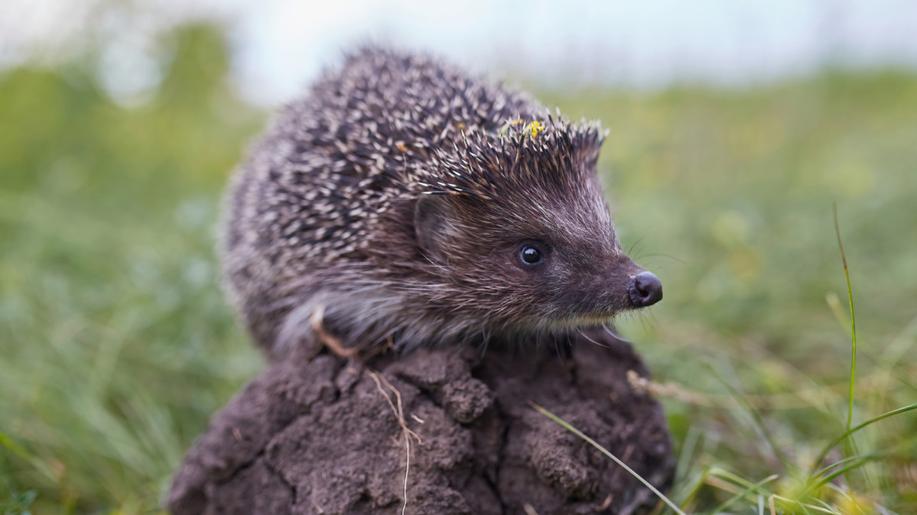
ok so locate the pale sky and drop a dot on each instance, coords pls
(279, 45)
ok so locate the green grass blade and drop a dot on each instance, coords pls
(754, 487)
(853, 321)
(566, 425)
(687, 452)
(690, 486)
(827, 468)
(852, 464)
(824, 452)
(805, 507)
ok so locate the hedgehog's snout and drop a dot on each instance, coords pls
(645, 290)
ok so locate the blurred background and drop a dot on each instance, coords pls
(735, 126)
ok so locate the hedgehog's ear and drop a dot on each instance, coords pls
(431, 224)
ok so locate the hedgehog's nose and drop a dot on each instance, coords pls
(646, 290)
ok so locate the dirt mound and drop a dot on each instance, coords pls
(324, 435)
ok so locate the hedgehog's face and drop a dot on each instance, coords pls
(531, 259)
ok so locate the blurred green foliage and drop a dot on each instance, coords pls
(116, 343)
(115, 339)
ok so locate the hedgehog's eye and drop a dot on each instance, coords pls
(530, 255)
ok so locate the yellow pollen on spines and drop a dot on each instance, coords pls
(536, 128)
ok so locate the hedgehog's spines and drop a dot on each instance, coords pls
(322, 204)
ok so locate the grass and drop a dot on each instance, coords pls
(815, 480)
(853, 321)
(117, 345)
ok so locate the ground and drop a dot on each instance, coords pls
(325, 435)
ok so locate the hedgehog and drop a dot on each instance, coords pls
(404, 202)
